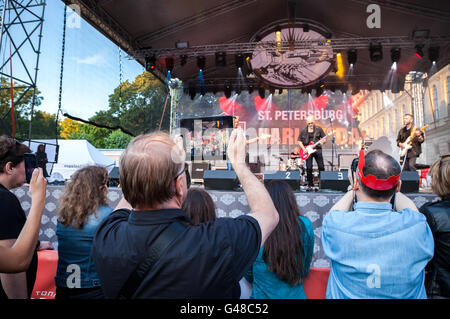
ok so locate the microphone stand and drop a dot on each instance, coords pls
(333, 145)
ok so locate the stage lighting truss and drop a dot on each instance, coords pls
(337, 44)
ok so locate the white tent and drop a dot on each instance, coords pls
(73, 155)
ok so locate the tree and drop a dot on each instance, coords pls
(136, 106)
(94, 135)
(23, 98)
(117, 139)
(68, 127)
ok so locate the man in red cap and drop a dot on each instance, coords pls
(376, 250)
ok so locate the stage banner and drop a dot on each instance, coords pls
(282, 116)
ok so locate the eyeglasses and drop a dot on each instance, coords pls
(184, 169)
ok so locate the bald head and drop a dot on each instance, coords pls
(148, 168)
(382, 166)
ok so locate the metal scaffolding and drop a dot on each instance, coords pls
(21, 31)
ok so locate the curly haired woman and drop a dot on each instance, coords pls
(82, 207)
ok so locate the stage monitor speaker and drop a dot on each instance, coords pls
(410, 182)
(290, 177)
(220, 180)
(198, 168)
(337, 181)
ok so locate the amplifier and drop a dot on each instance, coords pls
(220, 180)
(337, 181)
(198, 168)
(290, 177)
(410, 182)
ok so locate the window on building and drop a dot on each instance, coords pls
(448, 90)
(436, 102)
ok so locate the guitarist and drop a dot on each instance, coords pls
(417, 138)
(311, 133)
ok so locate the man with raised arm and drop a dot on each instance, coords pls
(205, 261)
(376, 250)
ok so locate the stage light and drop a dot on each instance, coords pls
(376, 52)
(280, 91)
(340, 66)
(395, 55)
(433, 54)
(271, 90)
(320, 89)
(221, 59)
(150, 63)
(169, 64)
(261, 92)
(183, 59)
(227, 90)
(239, 60)
(305, 27)
(248, 56)
(419, 51)
(250, 88)
(352, 56)
(201, 61)
(182, 45)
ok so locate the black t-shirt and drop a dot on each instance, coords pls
(205, 261)
(12, 220)
(403, 135)
(306, 137)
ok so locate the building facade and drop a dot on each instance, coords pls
(426, 98)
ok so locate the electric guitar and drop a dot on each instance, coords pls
(408, 143)
(311, 147)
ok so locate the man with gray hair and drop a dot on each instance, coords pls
(153, 250)
(312, 133)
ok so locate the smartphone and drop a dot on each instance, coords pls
(30, 165)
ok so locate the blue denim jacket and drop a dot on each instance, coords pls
(266, 285)
(74, 253)
(376, 252)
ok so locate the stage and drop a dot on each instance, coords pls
(313, 205)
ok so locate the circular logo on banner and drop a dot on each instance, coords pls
(285, 65)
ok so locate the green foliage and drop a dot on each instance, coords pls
(136, 106)
(117, 139)
(23, 98)
(94, 135)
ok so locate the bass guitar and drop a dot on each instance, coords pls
(311, 147)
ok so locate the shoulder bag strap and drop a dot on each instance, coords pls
(154, 252)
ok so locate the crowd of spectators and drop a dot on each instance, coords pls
(163, 240)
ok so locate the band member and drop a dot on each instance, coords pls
(312, 133)
(417, 138)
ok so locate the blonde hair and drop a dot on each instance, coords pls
(440, 176)
(147, 170)
(83, 195)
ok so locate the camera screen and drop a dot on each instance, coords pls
(30, 165)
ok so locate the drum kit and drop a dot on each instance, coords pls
(291, 165)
